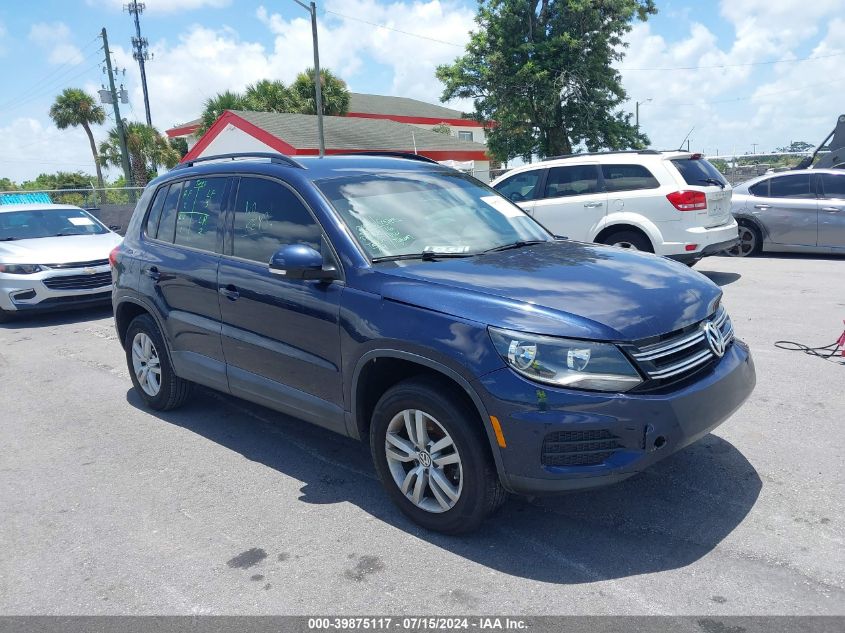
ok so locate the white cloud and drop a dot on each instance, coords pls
(735, 106)
(164, 6)
(29, 147)
(55, 38)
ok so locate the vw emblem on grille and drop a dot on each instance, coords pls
(425, 459)
(715, 339)
(89, 270)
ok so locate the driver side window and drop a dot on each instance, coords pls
(521, 186)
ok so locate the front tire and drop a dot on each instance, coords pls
(6, 315)
(630, 240)
(149, 366)
(750, 241)
(432, 456)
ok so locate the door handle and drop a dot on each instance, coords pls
(593, 205)
(152, 273)
(230, 292)
(831, 209)
(762, 206)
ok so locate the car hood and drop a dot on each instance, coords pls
(560, 288)
(59, 250)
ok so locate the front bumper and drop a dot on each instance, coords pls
(647, 426)
(55, 289)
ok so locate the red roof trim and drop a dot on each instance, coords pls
(424, 120)
(284, 148)
(184, 130)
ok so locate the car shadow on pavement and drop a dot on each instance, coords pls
(720, 278)
(665, 518)
(65, 317)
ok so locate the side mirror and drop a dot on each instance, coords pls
(115, 227)
(298, 261)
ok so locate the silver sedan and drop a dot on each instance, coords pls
(800, 211)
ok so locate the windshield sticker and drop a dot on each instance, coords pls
(81, 221)
(446, 249)
(503, 206)
(381, 232)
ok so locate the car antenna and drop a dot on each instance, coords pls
(681, 146)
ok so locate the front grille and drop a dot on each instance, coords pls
(579, 448)
(79, 282)
(91, 264)
(683, 353)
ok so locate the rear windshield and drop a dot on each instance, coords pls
(699, 172)
(36, 223)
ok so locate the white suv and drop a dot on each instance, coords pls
(669, 203)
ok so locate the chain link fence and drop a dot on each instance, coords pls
(87, 197)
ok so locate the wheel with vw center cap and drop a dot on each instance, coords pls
(433, 457)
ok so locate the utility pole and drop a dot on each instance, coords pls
(637, 113)
(754, 148)
(121, 132)
(139, 51)
(312, 9)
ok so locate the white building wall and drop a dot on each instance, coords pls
(478, 135)
(233, 139)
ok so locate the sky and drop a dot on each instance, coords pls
(741, 74)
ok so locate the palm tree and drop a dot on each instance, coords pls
(76, 107)
(218, 104)
(146, 147)
(269, 96)
(335, 94)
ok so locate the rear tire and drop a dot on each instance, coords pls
(459, 486)
(750, 241)
(6, 316)
(149, 366)
(629, 239)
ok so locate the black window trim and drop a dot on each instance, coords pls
(813, 187)
(223, 211)
(229, 232)
(603, 181)
(599, 181)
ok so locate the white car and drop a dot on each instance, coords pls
(52, 256)
(674, 203)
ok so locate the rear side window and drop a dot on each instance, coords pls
(698, 172)
(571, 181)
(627, 178)
(167, 223)
(151, 227)
(199, 213)
(268, 216)
(833, 186)
(793, 186)
(761, 189)
(520, 187)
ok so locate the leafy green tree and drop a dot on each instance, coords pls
(7, 185)
(76, 107)
(147, 148)
(796, 146)
(180, 145)
(541, 69)
(217, 105)
(335, 94)
(442, 128)
(269, 96)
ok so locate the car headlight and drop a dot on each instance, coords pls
(20, 269)
(565, 362)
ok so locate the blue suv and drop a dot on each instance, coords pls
(402, 303)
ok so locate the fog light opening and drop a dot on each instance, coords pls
(659, 442)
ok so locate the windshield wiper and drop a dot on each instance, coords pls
(506, 247)
(7, 239)
(426, 256)
(713, 181)
(67, 234)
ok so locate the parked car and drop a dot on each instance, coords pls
(674, 204)
(800, 211)
(405, 304)
(52, 256)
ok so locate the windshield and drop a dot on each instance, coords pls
(435, 212)
(35, 223)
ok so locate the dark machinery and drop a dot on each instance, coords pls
(834, 145)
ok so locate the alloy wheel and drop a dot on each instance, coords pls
(146, 364)
(424, 461)
(625, 245)
(747, 242)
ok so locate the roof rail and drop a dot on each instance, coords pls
(605, 153)
(279, 159)
(407, 155)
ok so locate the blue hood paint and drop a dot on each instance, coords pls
(559, 288)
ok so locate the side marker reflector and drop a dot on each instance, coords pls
(497, 428)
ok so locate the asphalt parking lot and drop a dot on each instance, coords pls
(227, 508)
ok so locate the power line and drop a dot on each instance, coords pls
(746, 98)
(774, 61)
(52, 87)
(390, 28)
